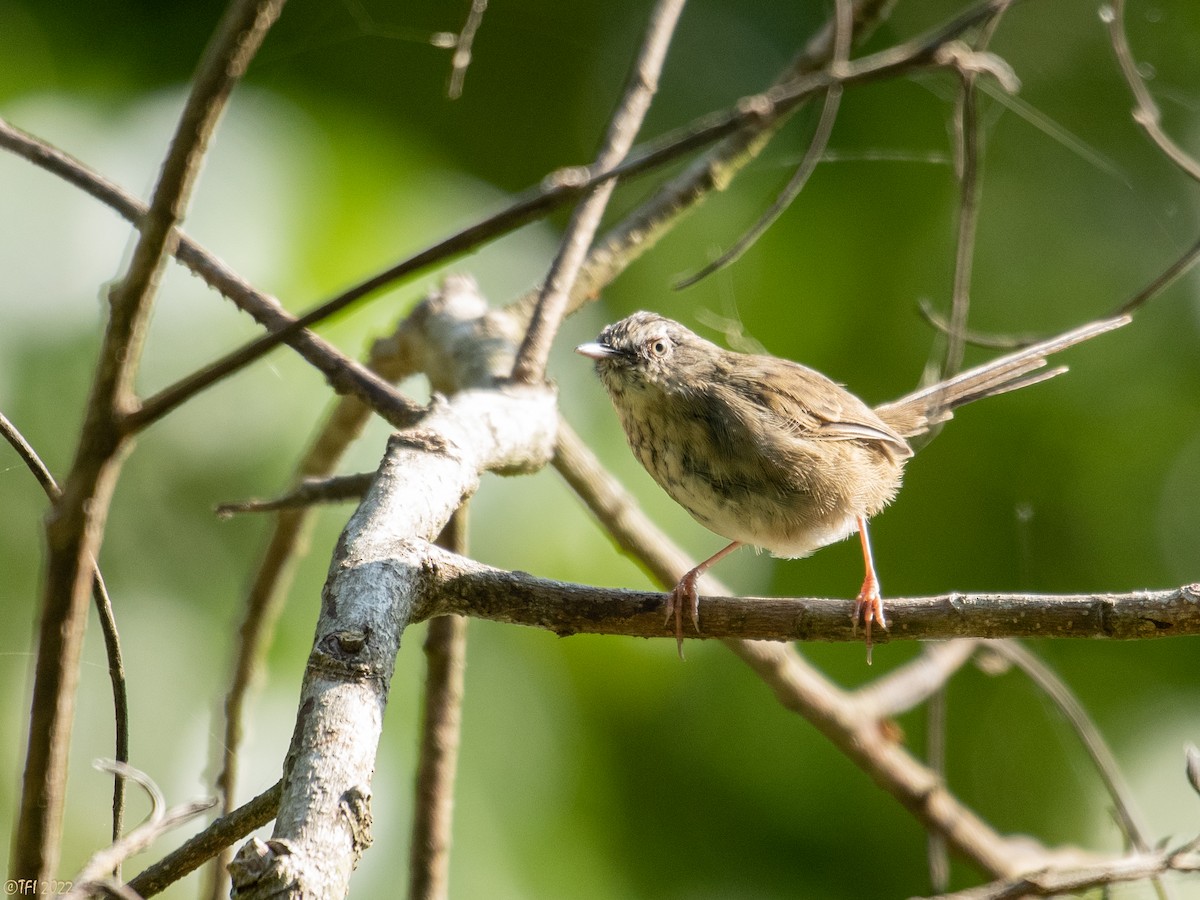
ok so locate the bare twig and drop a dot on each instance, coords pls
(441, 735)
(1057, 882)
(96, 871)
(1146, 113)
(1129, 819)
(842, 34)
(1161, 282)
(461, 58)
(108, 627)
(204, 846)
(975, 338)
(966, 156)
(641, 85)
(936, 851)
(967, 152)
(309, 492)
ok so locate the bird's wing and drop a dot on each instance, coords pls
(806, 404)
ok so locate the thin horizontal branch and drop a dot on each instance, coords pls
(1074, 881)
(472, 589)
(309, 492)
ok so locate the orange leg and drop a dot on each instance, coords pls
(869, 604)
(685, 592)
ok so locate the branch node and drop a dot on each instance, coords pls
(961, 56)
(566, 178)
(258, 861)
(356, 808)
(757, 108)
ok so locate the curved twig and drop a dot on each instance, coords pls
(1128, 817)
(842, 33)
(108, 627)
(1146, 113)
(96, 871)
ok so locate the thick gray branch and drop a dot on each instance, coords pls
(376, 578)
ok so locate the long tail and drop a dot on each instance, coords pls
(916, 413)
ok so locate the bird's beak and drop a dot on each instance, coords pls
(596, 350)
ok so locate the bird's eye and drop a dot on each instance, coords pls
(659, 347)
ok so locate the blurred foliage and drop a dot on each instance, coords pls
(602, 767)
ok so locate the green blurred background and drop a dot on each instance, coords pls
(603, 767)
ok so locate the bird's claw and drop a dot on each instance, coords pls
(683, 593)
(868, 606)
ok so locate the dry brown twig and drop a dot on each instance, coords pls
(463, 41)
(1146, 113)
(553, 298)
(73, 530)
(440, 738)
(108, 627)
(96, 873)
(208, 844)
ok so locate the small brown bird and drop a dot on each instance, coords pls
(767, 452)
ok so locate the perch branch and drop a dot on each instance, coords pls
(798, 686)
(471, 588)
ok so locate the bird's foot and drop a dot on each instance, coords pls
(684, 594)
(868, 606)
